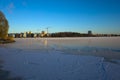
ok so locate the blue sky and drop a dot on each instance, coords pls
(100, 16)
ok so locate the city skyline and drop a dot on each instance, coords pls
(99, 16)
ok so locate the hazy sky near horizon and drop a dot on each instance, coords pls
(100, 16)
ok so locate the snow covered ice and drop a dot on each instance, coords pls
(81, 58)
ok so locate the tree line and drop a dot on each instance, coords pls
(69, 34)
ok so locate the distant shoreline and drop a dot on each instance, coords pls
(71, 37)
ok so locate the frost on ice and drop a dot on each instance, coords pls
(63, 58)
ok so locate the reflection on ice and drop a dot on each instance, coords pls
(45, 43)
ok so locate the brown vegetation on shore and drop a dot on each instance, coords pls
(4, 26)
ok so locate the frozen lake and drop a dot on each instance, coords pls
(88, 58)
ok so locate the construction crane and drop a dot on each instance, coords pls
(47, 30)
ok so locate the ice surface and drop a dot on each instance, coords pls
(63, 58)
